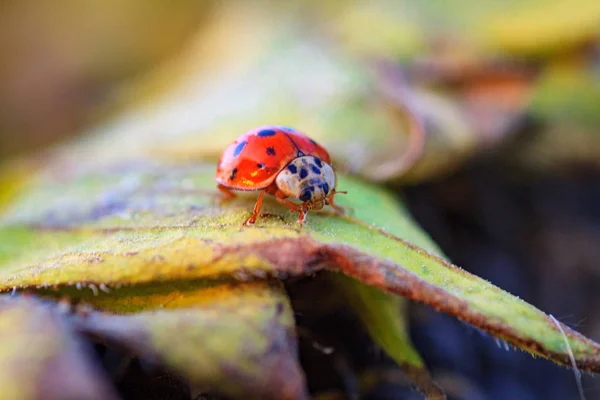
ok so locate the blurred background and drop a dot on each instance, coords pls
(502, 172)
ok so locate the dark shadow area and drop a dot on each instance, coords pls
(537, 237)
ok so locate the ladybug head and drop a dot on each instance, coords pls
(308, 179)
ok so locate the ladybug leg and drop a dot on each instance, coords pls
(330, 201)
(294, 208)
(226, 194)
(252, 219)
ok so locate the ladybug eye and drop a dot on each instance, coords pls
(325, 188)
(305, 195)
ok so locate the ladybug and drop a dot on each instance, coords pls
(282, 162)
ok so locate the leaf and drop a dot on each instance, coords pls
(379, 312)
(149, 224)
(519, 27)
(413, 129)
(242, 333)
(535, 27)
(567, 93)
(566, 103)
(40, 358)
(167, 221)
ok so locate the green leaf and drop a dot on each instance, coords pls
(146, 224)
(152, 226)
(379, 312)
(568, 94)
(534, 27)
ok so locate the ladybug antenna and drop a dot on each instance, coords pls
(340, 191)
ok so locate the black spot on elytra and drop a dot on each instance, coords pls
(300, 154)
(303, 173)
(292, 168)
(315, 169)
(318, 162)
(233, 173)
(239, 148)
(266, 132)
(305, 195)
(260, 165)
(271, 151)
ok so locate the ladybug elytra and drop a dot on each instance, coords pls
(282, 162)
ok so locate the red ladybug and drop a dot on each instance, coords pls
(282, 162)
